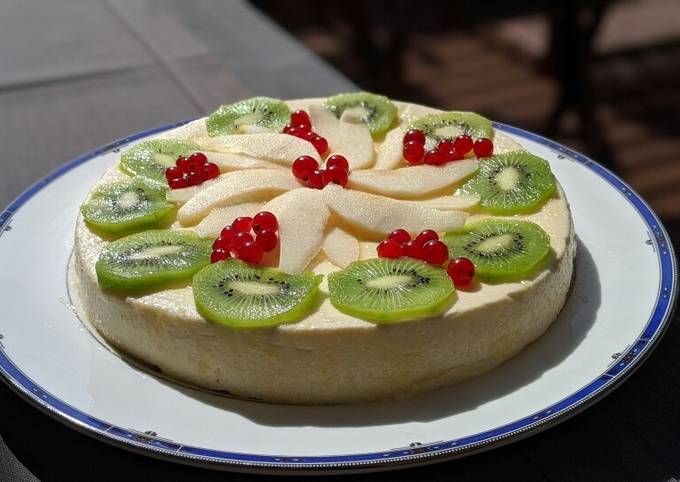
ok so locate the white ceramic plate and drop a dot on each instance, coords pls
(622, 298)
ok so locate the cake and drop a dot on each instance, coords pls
(430, 249)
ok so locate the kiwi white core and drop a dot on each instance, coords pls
(448, 131)
(128, 200)
(164, 159)
(253, 288)
(156, 252)
(495, 243)
(355, 115)
(391, 281)
(248, 119)
(507, 179)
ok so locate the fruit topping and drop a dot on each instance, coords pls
(435, 252)
(219, 254)
(316, 180)
(401, 236)
(301, 126)
(255, 115)
(414, 250)
(151, 159)
(462, 271)
(414, 135)
(237, 239)
(389, 248)
(151, 260)
(307, 170)
(425, 236)
(244, 296)
(435, 157)
(501, 249)
(515, 182)
(191, 171)
(483, 147)
(414, 152)
(390, 290)
(336, 175)
(450, 125)
(339, 161)
(126, 206)
(463, 144)
(304, 166)
(376, 111)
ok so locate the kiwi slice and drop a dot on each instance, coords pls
(151, 260)
(501, 249)
(376, 111)
(125, 206)
(258, 114)
(515, 182)
(389, 290)
(240, 295)
(449, 125)
(150, 159)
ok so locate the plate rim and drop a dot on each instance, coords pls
(149, 444)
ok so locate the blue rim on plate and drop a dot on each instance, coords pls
(149, 444)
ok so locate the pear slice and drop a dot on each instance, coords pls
(302, 216)
(232, 188)
(390, 152)
(413, 181)
(503, 143)
(211, 225)
(460, 202)
(350, 139)
(183, 195)
(233, 162)
(340, 247)
(379, 215)
(190, 132)
(279, 148)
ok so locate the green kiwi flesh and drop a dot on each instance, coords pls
(150, 159)
(257, 113)
(501, 249)
(449, 125)
(240, 295)
(390, 290)
(376, 111)
(510, 183)
(123, 207)
(151, 260)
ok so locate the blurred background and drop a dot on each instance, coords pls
(602, 77)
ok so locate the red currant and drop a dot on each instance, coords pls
(183, 163)
(210, 171)
(265, 220)
(239, 239)
(462, 271)
(250, 252)
(401, 236)
(435, 157)
(224, 243)
(195, 178)
(219, 254)
(289, 129)
(198, 158)
(304, 166)
(435, 252)
(243, 224)
(413, 152)
(414, 135)
(320, 144)
(267, 240)
(445, 145)
(300, 118)
(316, 179)
(228, 233)
(389, 248)
(178, 183)
(425, 236)
(483, 147)
(173, 172)
(306, 135)
(336, 175)
(463, 144)
(337, 160)
(413, 250)
(453, 155)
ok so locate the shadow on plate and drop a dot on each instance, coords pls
(561, 339)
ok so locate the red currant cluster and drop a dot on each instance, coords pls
(191, 171)
(448, 150)
(237, 240)
(301, 126)
(427, 247)
(306, 169)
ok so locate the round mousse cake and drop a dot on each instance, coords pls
(324, 251)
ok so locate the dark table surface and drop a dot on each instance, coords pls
(76, 74)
